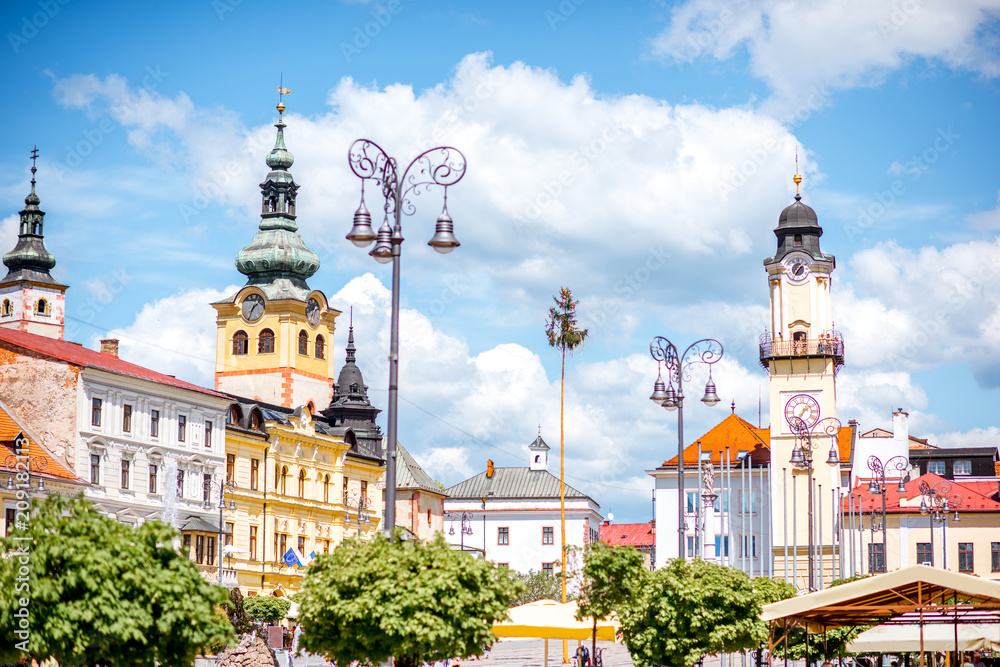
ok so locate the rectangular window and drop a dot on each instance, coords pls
(721, 545)
(748, 501)
(208, 434)
(210, 552)
(230, 467)
(995, 556)
(206, 486)
(748, 545)
(181, 427)
(152, 477)
(503, 566)
(11, 519)
(924, 554)
(547, 568)
(254, 473)
(690, 547)
(963, 467)
(127, 418)
(154, 423)
(876, 558)
(326, 546)
(503, 535)
(346, 480)
(253, 542)
(965, 563)
(693, 503)
(187, 547)
(364, 488)
(227, 537)
(95, 412)
(282, 545)
(721, 503)
(126, 465)
(95, 469)
(199, 549)
(180, 483)
(548, 535)
(302, 545)
(936, 467)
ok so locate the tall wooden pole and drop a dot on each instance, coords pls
(562, 485)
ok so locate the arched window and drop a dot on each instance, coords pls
(42, 307)
(326, 489)
(797, 241)
(283, 481)
(302, 484)
(265, 342)
(233, 416)
(303, 342)
(256, 420)
(8, 308)
(240, 343)
(320, 347)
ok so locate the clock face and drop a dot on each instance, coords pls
(312, 312)
(253, 307)
(797, 270)
(804, 407)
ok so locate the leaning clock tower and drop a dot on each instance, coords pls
(275, 335)
(802, 354)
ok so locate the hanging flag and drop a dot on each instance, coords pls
(312, 556)
(292, 558)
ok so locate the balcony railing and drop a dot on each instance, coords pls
(828, 345)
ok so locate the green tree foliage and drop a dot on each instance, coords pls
(693, 608)
(267, 608)
(611, 577)
(534, 585)
(100, 592)
(415, 601)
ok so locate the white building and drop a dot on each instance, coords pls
(512, 515)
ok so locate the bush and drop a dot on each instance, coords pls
(266, 608)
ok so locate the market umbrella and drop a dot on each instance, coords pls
(548, 619)
(937, 637)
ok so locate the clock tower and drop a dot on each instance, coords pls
(802, 354)
(275, 335)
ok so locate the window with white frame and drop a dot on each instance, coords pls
(936, 467)
(748, 545)
(748, 501)
(963, 467)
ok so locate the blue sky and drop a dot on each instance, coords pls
(637, 152)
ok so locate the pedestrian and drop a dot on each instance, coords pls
(978, 661)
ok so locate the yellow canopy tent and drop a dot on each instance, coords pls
(548, 619)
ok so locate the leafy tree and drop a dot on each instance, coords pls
(564, 334)
(535, 585)
(693, 608)
(417, 602)
(98, 591)
(611, 578)
(267, 608)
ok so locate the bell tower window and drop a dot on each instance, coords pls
(42, 308)
(320, 347)
(239, 343)
(8, 308)
(265, 342)
(303, 342)
(797, 241)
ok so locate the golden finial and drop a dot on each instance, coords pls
(282, 91)
(797, 178)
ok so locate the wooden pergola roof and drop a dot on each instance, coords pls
(926, 592)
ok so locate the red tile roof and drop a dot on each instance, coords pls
(971, 496)
(49, 467)
(739, 434)
(78, 355)
(628, 534)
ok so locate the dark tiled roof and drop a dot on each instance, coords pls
(512, 483)
(409, 474)
(81, 356)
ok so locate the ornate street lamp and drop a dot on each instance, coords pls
(25, 465)
(360, 505)
(225, 486)
(802, 458)
(877, 487)
(442, 166)
(936, 504)
(706, 351)
(465, 527)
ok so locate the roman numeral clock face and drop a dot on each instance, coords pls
(804, 407)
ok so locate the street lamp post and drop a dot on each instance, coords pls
(465, 528)
(360, 505)
(936, 504)
(877, 487)
(223, 487)
(802, 458)
(706, 351)
(23, 465)
(442, 166)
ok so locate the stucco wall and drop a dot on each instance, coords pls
(42, 393)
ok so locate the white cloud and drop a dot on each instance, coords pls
(8, 231)
(799, 48)
(977, 437)
(986, 220)
(446, 463)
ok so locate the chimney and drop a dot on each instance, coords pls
(110, 346)
(900, 430)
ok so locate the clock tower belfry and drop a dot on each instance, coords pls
(275, 335)
(802, 354)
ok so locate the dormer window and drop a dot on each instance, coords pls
(233, 416)
(256, 421)
(354, 388)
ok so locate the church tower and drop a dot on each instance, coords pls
(275, 335)
(802, 354)
(30, 298)
(351, 406)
